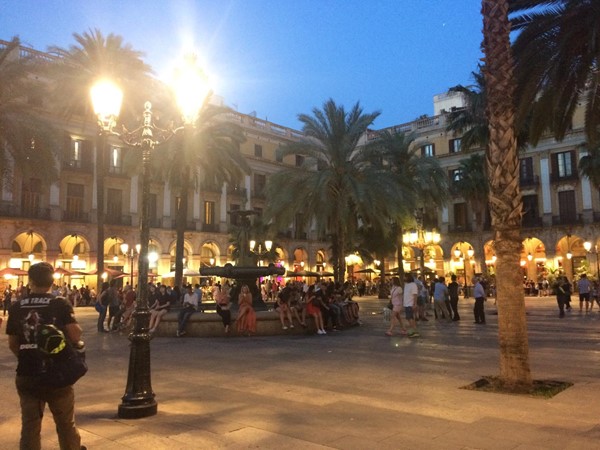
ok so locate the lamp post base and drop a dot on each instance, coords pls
(137, 411)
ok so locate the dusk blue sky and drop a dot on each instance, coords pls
(284, 57)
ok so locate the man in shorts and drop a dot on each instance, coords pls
(584, 287)
(410, 294)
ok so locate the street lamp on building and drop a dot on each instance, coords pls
(139, 399)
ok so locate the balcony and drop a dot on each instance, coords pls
(238, 192)
(210, 227)
(460, 228)
(568, 220)
(78, 165)
(532, 222)
(531, 181)
(557, 178)
(9, 210)
(75, 216)
(110, 219)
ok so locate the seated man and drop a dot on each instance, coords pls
(190, 306)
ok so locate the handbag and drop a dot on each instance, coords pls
(98, 306)
(62, 364)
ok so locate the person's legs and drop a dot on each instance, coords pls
(32, 413)
(62, 405)
(182, 319)
(454, 305)
(561, 307)
(101, 318)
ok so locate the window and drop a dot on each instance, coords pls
(152, 210)
(530, 211)
(563, 165)
(454, 145)
(115, 165)
(299, 160)
(234, 218)
(260, 181)
(209, 213)
(460, 216)
(258, 150)
(567, 209)
(30, 197)
(279, 155)
(75, 154)
(114, 205)
(299, 226)
(74, 209)
(526, 169)
(455, 175)
(428, 150)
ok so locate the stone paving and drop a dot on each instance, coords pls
(354, 389)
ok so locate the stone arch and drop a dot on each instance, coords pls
(209, 254)
(27, 248)
(74, 252)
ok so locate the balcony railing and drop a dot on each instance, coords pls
(75, 216)
(9, 210)
(532, 222)
(117, 220)
(531, 181)
(210, 227)
(567, 220)
(558, 178)
(78, 165)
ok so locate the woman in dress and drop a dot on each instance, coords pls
(314, 309)
(246, 318)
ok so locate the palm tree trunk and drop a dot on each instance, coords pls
(505, 197)
(100, 148)
(400, 246)
(181, 220)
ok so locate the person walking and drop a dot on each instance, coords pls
(102, 302)
(584, 287)
(440, 293)
(397, 307)
(478, 309)
(7, 300)
(40, 307)
(410, 294)
(453, 288)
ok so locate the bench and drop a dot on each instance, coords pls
(209, 324)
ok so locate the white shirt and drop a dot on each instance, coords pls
(411, 291)
(396, 296)
(191, 299)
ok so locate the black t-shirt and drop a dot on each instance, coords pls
(26, 315)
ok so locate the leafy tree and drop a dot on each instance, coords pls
(30, 144)
(505, 198)
(206, 155)
(75, 71)
(557, 57)
(589, 165)
(336, 184)
(421, 182)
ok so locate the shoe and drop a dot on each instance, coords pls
(284, 327)
(182, 333)
(413, 334)
(319, 332)
(291, 326)
(389, 333)
(403, 332)
(177, 333)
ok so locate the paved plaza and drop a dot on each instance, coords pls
(354, 389)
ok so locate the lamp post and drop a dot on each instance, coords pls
(588, 248)
(258, 249)
(467, 256)
(130, 254)
(139, 398)
(421, 239)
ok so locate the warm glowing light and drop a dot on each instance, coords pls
(191, 88)
(107, 98)
(523, 263)
(457, 253)
(569, 255)
(124, 248)
(587, 245)
(529, 256)
(268, 245)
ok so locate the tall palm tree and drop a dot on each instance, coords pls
(28, 143)
(207, 155)
(335, 184)
(76, 69)
(473, 186)
(589, 165)
(557, 62)
(505, 196)
(420, 180)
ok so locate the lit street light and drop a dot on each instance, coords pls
(139, 399)
(588, 248)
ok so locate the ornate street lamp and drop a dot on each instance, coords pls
(130, 254)
(421, 239)
(139, 398)
(259, 250)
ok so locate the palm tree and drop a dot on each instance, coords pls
(335, 184)
(505, 197)
(31, 145)
(557, 58)
(589, 165)
(420, 180)
(474, 188)
(207, 155)
(76, 69)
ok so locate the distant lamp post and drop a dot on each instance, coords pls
(260, 250)
(588, 248)
(421, 239)
(467, 256)
(130, 254)
(139, 399)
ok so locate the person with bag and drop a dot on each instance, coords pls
(102, 302)
(45, 337)
(396, 299)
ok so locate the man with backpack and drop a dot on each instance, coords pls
(25, 326)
